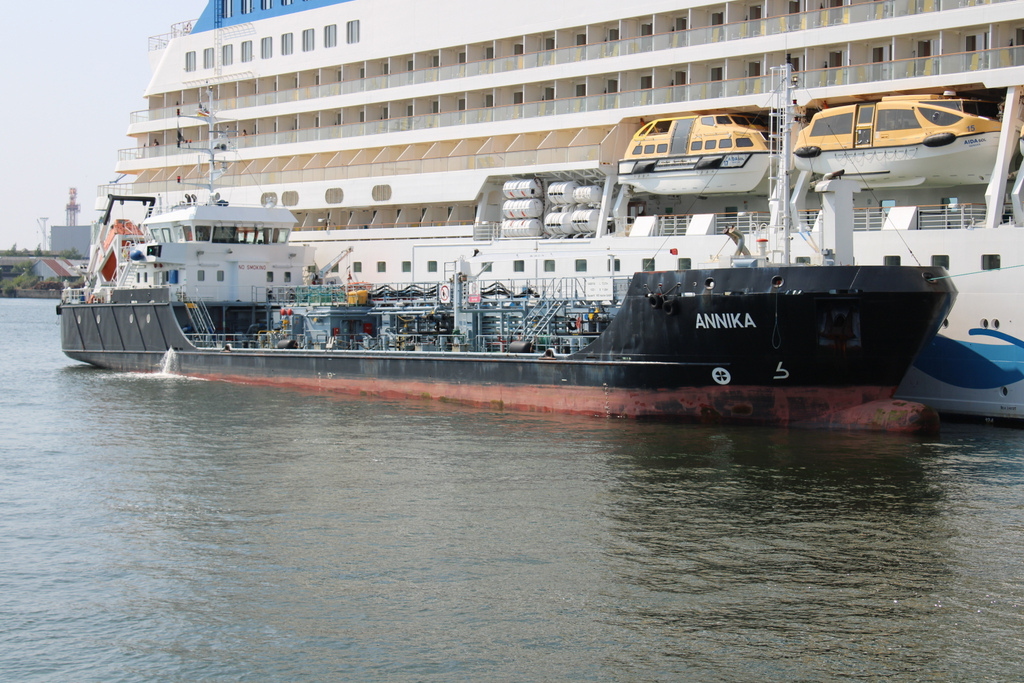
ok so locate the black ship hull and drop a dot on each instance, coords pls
(800, 346)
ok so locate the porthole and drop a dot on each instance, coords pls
(945, 323)
(381, 193)
(1004, 391)
(709, 283)
(777, 281)
(289, 198)
(334, 195)
(995, 323)
(269, 199)
(984, 323)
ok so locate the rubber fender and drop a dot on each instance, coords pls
(287, 344)
(670, 306)
(709, 162)
(656, 300)
(520, 347)
(807, 152)
(939, 139)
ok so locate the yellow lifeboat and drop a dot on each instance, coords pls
(903, 141)
(697, 154)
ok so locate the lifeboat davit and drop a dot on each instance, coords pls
(706, 154)
(903, 141)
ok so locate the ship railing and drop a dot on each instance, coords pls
(222, 341)
(668, 40)
(950, 64)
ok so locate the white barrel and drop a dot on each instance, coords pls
(561, 192)
(585, 220)
(522, 227)
(522, 189)
(522, 208)
(587, 194)
(558, 223)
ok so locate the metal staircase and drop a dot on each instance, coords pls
(537, 320)
(199, 318)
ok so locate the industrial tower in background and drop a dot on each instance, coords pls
(72, 208)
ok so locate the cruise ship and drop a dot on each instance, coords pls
(591, 140)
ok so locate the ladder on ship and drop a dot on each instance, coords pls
(537, 320)
(199, 318)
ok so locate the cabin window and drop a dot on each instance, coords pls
(725, 144)
(208, 58)
(891, 260)
(839, 124)
(710, 144)
(352, 32)
(683, 264)
(648, 149)
(695, 146)
(246, 6)
(227, 55)
(896, 119)
(549, 266)
(286, 44)
(220, 276)
(224, 234)
(331, 35)
(940, 261)
(201, 276)
(190, 61)
(648, 264)
(246, 50)
(940, 117)
(990, 262)
(267, 48)
(805, 260)
(287, 276)
(581, 265)
(382, 266)
(662, 148)
(519, 266)
(357, 267)
(406, 266)
(431, 266)
(615, 265)
(308, 40)
(270, 276)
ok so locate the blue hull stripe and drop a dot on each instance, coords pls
(973, 366)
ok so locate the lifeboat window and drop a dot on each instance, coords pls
(662, 148)
(725, 144)
(710, 144)
(661, 127)
(645, 130)
(744, 142)
(865, 114)
(648, 149)
(723, 119)
(896, 119)
(707, 120)
(202, 233)
(695, 146)
(939, 117)
(638, 149)
(836, 125)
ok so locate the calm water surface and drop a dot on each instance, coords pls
(166, 529)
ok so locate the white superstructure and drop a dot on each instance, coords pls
(402, 136)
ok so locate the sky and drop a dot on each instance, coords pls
(73, 72)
